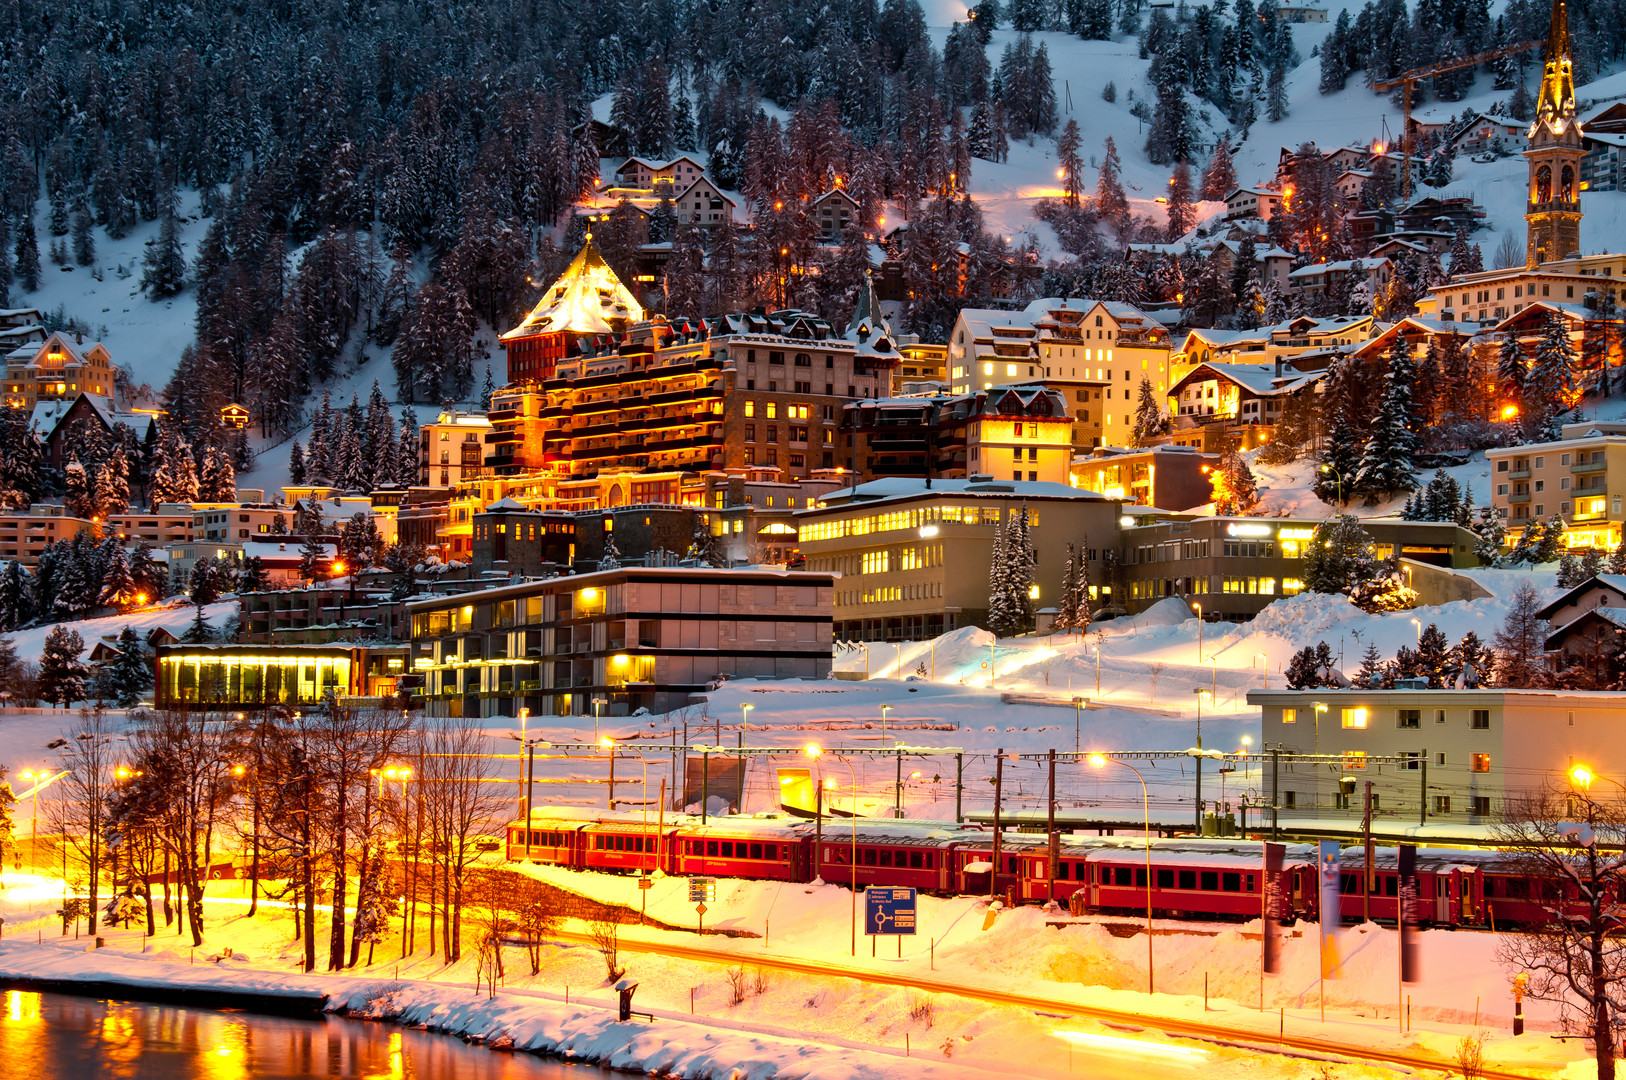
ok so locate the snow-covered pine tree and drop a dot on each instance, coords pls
(219, 480)
(28, 256)
(200, 631)
(1339, 556)
(406, 451)
(1235, 489)
(62, 675)
(1552, 540)
(1110, 201)
(1592, 562)
(174, 475)
(1338, 465)
(1081, 589)
(1071, 166)
(487, 388)
(1386, 460)
(130, 672)
(112, 483)
(165, 272)
(1489, 537)
(704, 548)
(76, 488)
(611, 557)
(1511, 372)
(1000, 616)
(1434, 658)
(1150, 421)
(296, 464)
(16, 599)
(251, 576)
(1552, 378)
(1064, 603)
(313, 558)
(1370, 674)
(1616, 565)
(1219, 178)
(118, 584)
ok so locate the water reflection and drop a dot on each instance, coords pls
(51, 1036)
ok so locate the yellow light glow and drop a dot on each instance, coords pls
(619, 661)
(1583, 776)
(607, 743)
(813, 750)
(1509, 411)
(1129, 1046)
(1098, 760)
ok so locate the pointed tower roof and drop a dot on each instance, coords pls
(588, 298)
(1555, 108)
(868, 321)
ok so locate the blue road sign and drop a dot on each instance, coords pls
(889, 911)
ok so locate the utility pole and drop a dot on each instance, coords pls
(999, 779)
(959, 786)
(1366, 870)
(1422, 796)
(1050, 830)
(1275, 792)
(897, 796)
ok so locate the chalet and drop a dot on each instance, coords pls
(831, 212)
(1351, 182)
(1320, 279)
(61, 424)
(57, 369)
(1529, 321)
(1440, 215)
(1585, 623)
(1483, 132)
(1216, 402)
(676, 174)
(1418, 333)
(705, 204)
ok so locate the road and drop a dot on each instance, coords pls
(1230, 1035)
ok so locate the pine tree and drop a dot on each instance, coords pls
(1219, 178)
(1474, 661)
(84, 232)
(1069, 591)
(1339, 464)
(118, 583)
(1150, 420)
(406, 451)
(1110, 201)
(1235, 488)
(112, 483)
(1001, 618)
(28, 256)
(16, 600)
(1386, 460)
(1511, 372)
(165, 273)
(1182, 212)
(487, 388)
(1434, 658)
(1069, 164)
(129, 674)
(252, 576)
(313, 557)
(703, 546)
(1080, 601)
(1370, 674)
(62, 675)
(219, 480)
(1617, 562)
(610, 559)
(1551, 542)
(199, 631)
(1552, 378)
(174, 475)
(296, 464)
(1339, 558)
(1592, 563)
(1490, 537)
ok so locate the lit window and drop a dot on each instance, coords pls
(1479, 763)
(1290, 716)
(1353, 718)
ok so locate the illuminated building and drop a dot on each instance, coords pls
(1217, 403)
(1166, 477)
(914, 559)
(1553, 219)
(24, 534)
(250, 676)
(57, 369)
(451, 448)
(1581, 478)
(635, 637)
(1015, 432)
(1235, 566)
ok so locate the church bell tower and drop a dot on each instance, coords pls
(1554, 153)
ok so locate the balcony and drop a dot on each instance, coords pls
(1519, 498)
(1582, 467)
(1519, 474)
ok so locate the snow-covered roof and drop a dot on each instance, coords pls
(273, 551)
(1614, 616)
(891, 488)
(1261, 380)
(1343, 265)
(1616, 582)
(588, 298)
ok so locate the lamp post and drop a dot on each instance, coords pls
(1418, 624)
(1199, 609)
(1213, 677)
(884, 710)
(814, 751)
(745, 714)
(1266, 669)
(598, 702)
(1078, 721)
(1320, 707)
(1338, 478)
(1099, 760)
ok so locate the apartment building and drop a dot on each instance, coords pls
(240, 521)
(1020, 432)
(1232, 567)
(631, 638)
(233, 676)
(169, 523)
(1493, 295)
(1466, 751)
(1581, 478)
(914, 558)
(24, 534)
(1165, 477)
(451, 448)
(1109, 345)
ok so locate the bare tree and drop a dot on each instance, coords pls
(87, 758)
(537, 912)
(492, 896)
(294, 791)
(182, 757)
(1521, 642)
(1577, 956)
(461, 801)
(604, 929)
(7, 800)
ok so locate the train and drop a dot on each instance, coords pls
(1192, 878)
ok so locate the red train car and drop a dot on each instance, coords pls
(770, 848)
(628, 846)
(915, 854)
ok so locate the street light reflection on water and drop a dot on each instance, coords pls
(61, 1037)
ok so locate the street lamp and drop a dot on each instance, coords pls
(884, 710)
(1583, 777)
(814, 751)
(597, 703)
(38, 776)
(1266, 669)
(1099, 761)
(1320, 707)
(745, 715)
(1199, 609)
(1338, 478)
(1418, 623)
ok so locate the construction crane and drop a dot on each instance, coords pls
(1411, 78)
